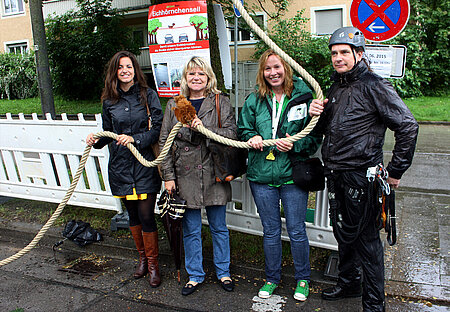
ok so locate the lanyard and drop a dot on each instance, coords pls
(276, 113)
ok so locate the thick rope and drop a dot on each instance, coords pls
(277, 49)
(172, 134)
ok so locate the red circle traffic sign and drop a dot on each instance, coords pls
(379, 20)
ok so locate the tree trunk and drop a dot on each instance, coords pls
(214, 47)
(42, 65)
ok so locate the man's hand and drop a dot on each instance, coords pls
(316, 107)
(393, 182)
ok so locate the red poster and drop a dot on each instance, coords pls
(177, 31)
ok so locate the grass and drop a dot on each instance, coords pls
(33, 105)
(427, 108)
(430, 108)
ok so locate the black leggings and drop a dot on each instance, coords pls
(142, 212)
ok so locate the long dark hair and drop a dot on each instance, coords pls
(110, 91)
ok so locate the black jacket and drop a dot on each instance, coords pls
(361, 105)
(128, 116)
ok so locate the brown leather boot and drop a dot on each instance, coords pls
(142, 267)
(151, 251)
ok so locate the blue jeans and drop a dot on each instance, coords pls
(294, 200)
(192, 231)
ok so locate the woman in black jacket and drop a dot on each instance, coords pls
(127, 99)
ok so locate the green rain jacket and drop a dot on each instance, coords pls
(256, 119)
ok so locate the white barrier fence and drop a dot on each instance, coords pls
(39, 156)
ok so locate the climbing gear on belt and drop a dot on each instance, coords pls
(385, 202)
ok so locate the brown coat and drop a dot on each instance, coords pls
(189, 162)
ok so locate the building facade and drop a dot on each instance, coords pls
(325, 16)
(15, 27)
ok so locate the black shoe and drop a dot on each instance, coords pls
(189, 289)
(337, 292)
(227, 284)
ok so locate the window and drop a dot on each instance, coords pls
(12, 7)
(325, 20)
(138, 36)
(16, 47)
(244, 34)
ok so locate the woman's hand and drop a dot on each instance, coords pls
(316, 107)
(284, 146)
(170, 186)
(90, 139)
(256, 142)
(123, 139)
(196, 122)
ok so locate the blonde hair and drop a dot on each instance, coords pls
(264, 87)
(199, 62)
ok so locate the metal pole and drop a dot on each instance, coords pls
(236, 69)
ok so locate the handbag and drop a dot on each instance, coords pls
(308, 174)
(229, 162)
(154, 146)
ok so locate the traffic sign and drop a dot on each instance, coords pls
(379, 20)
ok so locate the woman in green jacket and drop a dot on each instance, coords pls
(278, 109)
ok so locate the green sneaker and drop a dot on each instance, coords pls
(267, 290)
(302, 291)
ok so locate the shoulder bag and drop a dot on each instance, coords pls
(308, 174)
(155, 146)
(229, 162)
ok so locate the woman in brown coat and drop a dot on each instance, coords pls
(189, 168)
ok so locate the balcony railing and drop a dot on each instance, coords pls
(144, 59)
(59, 7)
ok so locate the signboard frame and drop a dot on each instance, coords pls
(397, 67)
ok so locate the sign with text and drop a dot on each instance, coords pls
(177, 31)
(379, 20)
(388, 61)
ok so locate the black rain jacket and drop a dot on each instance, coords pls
(128, 116)
(361, 105)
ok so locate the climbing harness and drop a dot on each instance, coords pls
(379, 197)
(255, 28)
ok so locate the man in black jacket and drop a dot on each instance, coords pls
(360, 106)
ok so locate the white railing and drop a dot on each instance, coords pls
(59, 7)
(38, 157)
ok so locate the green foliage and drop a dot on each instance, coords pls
(81, 43)
(17, 76)
(310, 52)
(427, 39)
